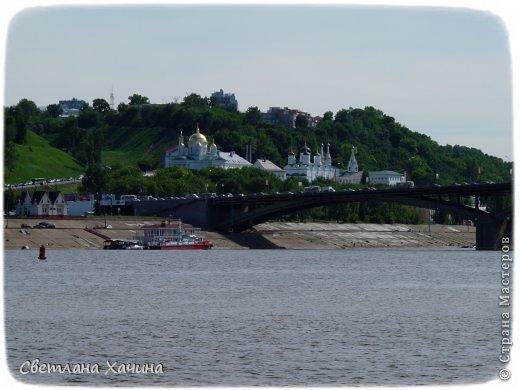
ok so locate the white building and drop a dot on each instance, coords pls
(24, 205)
(352, 174)
(270, 167)
(350, 177)
(390, 178)
(197, 155)
(42, 203)
(311, 167)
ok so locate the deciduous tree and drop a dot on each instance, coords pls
(136, 99)
(100, 105)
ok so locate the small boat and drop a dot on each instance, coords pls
(173, 235)
(122, 244)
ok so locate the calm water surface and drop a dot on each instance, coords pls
(277, 317)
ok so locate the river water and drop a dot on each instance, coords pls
(253, 317)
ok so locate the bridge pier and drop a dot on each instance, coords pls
(491, 230)
(218, 215)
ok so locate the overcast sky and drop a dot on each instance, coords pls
(443, 72)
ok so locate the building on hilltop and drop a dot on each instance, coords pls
(314, 121)
(71, 107)
(225, 100)
(311, 167)
(198, 155)
(287, 117)
(281, 116)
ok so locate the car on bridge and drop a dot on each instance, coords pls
(312, 189)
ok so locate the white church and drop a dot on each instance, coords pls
(197, 155)
(352, 174)
(311, 167)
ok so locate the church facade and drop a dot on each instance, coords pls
(311, 167)
(352, 174)
(198, 155)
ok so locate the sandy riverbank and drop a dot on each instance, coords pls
(71, 233)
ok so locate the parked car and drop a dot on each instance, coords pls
(45, 225)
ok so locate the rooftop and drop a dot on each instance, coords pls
(385, 173)
(268, 165)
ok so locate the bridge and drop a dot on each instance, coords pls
(238, 213)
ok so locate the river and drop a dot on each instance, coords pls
(253, 317)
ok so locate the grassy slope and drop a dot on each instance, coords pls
(38, 159)
(126, 146)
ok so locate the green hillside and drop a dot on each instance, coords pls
(116, 146)
(139, 133)
(37, 158)
(126, 146)
(136, 133)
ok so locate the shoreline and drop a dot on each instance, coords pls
(79, 233)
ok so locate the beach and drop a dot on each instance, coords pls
(90, 232)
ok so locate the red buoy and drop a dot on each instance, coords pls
(42, 253)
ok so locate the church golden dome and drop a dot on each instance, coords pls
(198, 137)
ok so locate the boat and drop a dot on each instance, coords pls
(114, 243)
(172, 235)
